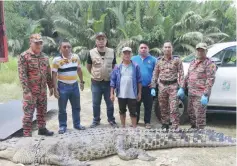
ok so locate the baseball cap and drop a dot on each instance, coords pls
(202, 45)
(100, 34)
(36, 38)
(126, 49)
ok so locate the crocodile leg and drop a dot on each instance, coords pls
(131, 153)
(55, 160)
(77, 163)
(7, 153)
(142, 155)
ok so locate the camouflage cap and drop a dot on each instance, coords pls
(36, 38)
(100, 34)
(202, 45)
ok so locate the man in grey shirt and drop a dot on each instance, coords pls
(126, 79)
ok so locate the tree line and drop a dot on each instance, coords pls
(184, 23)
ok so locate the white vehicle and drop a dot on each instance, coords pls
(223, 94)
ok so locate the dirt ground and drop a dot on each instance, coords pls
(224, 156)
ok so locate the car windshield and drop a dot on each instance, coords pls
(191, 57)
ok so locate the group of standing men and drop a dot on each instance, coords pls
(134, 81)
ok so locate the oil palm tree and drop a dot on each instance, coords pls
(193, 28)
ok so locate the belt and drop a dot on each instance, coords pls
(168, 82)
(92, 80)
(67, 84)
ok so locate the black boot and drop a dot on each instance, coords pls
(165, 126)
(193, 127)
(46, 132)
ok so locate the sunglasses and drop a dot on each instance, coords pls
(67, 47)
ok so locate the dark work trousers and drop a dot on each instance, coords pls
(147, 102)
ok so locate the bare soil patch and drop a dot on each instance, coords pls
(224, 156)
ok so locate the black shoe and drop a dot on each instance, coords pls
(165, 126)
(94, 124)
(46, 132)
(79, 127)
(62, 130)
(193, 127)
(113, 124)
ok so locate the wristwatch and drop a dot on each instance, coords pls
(82, 82)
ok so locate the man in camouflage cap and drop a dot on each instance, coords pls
(199, 81)
(35, 74)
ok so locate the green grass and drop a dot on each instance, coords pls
(8, 72)
(10, 87)
(86, 77)
(9, 82)
(10, 92)
(119, 60)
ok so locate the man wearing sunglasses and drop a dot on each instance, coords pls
(101, 61)
(66, 70)
(35, 74)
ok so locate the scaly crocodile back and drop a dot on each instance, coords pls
(101, 142)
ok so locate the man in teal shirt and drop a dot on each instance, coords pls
(147, 63)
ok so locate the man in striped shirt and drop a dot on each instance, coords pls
(66, 69)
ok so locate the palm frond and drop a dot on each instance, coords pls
(123, 32)
(186, 46)
(119, 15)
(98, 25)
(191, 36)
(49, 41)
(77, 49)
(58, 20)
(218, 34)
(64, 32)
(156, 51)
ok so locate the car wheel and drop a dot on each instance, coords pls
(182, 110)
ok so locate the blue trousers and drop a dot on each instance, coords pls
(68, 92)
(98, 89)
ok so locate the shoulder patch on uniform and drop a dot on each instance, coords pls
(25, 54)
(208, 61)
(212, 66)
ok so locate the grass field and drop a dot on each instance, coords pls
(10, 87)
(9, 82)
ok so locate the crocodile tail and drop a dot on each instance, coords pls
(159, 139)
(201, 138)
